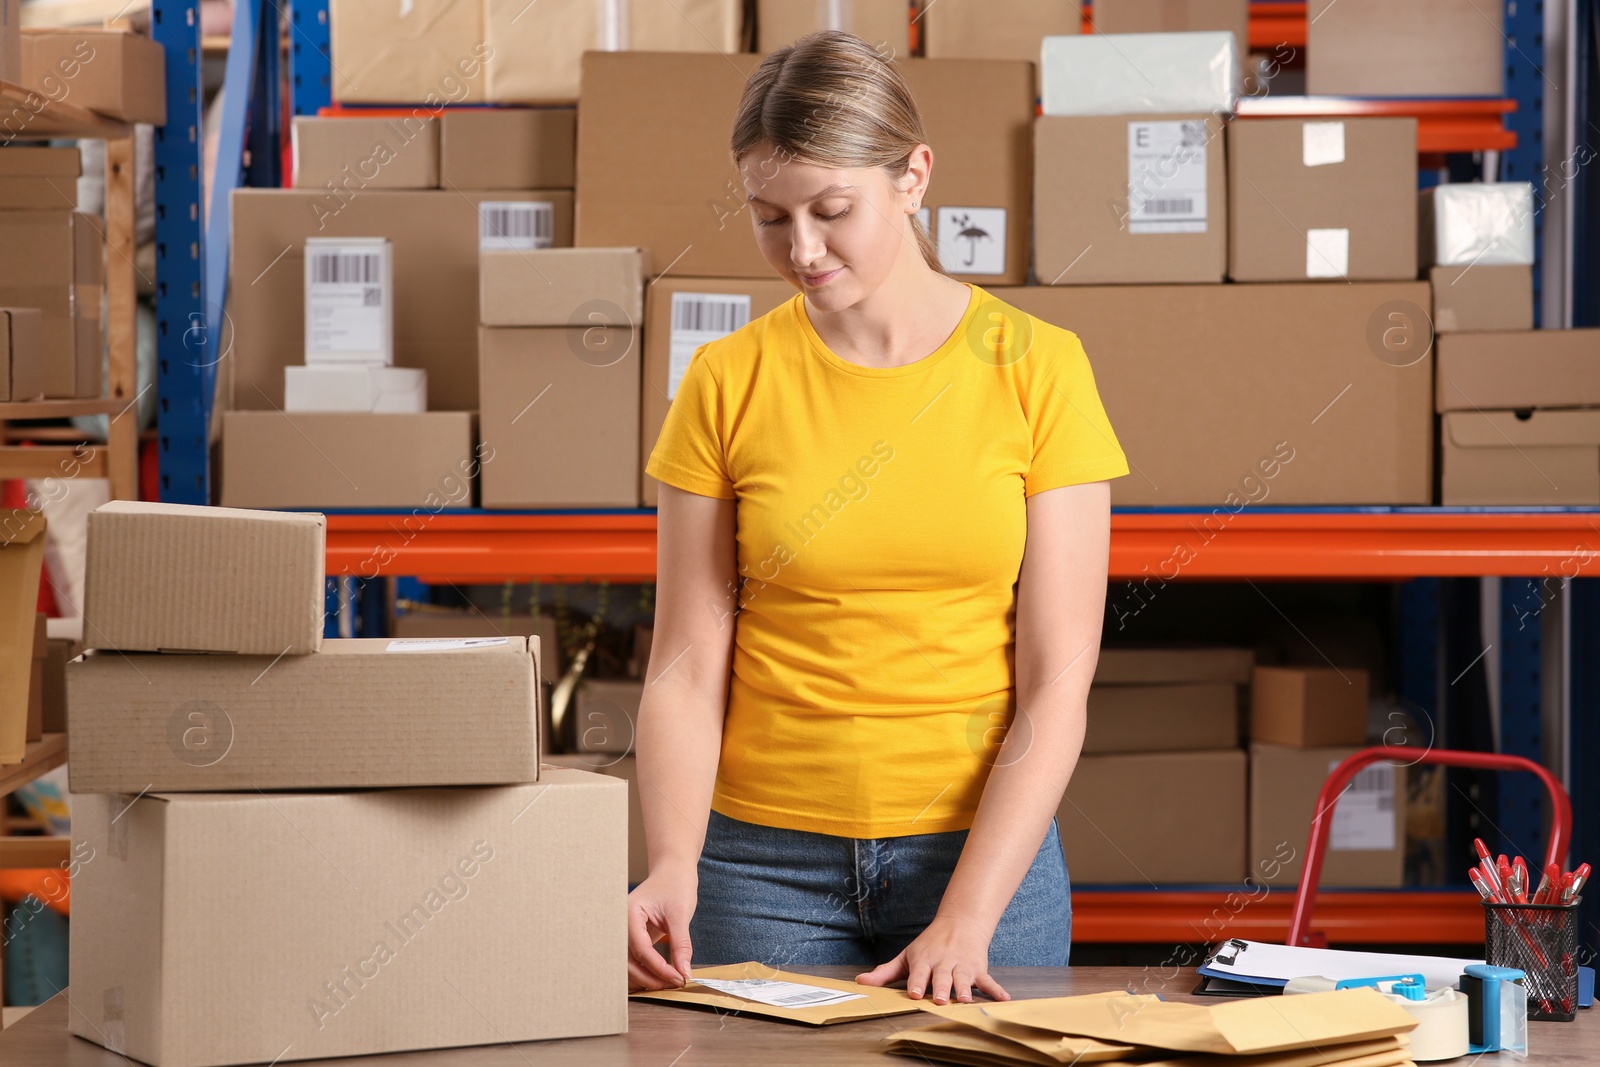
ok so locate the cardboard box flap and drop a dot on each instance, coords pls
(1550, 428)
(20, 526)
(868, 1002)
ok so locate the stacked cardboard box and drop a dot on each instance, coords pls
(1476, 239)
(328, 890)
(886, 24)
(21, 558)
(10, 40)
(1417, 48)
(119, 75)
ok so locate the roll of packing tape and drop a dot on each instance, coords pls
(1441, 1032)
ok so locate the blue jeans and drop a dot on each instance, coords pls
(794, 898)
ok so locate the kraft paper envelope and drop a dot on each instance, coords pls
(873, 1002)
(1052, 1044)
(956, 1043)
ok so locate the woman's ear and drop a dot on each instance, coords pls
(919, 169)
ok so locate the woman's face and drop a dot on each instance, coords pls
(834, 234)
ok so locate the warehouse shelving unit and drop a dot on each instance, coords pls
(1413, 546)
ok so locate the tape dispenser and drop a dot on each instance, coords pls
(1443, 1015)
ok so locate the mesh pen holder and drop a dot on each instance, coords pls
(1541, 940)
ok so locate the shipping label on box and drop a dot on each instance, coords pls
(516, 225)
(1167, 177)
(1363, 820)
(349, 300)
(697, 319)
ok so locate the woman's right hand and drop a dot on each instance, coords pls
(661, 906)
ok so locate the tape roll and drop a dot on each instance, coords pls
(1441, 1032)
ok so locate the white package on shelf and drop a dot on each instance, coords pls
(381, 390)
(1467, 223)
(1138, 73)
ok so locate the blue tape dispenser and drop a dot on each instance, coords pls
(1497, 1008)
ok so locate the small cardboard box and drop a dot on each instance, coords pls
(1309, 707)
(1484, 297)
(1176, 16)
(21, 349)
(1322, 198)
(357, 714)
(1416, 48)
(1155, 817)
(379, 390)
(53, 262)
(430, 52)
(560, 414)
(1367, 837)
(1162, 718)
(606, 715)
(562, 287)
(342, 460)
(372, 922)
(121, 75)
(885, 24)
(626, 767)
(510, 148)
(1520, 457)
(1518, 369)
(182, 578)
(352, 154)
(21, 559)
(42, 179)
(1173, 665)
(1120, 199)
(995, 29)
(41, 652)
(65, 643)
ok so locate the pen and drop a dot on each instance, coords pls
(1480, 884)
(1519, 880)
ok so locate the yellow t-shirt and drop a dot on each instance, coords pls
(881, 523)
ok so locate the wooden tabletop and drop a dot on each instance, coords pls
(664, 1036)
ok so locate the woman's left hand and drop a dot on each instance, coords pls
(951, 955)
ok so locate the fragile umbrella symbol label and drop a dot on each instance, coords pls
(972, 240)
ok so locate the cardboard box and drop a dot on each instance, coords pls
(444, 622)
(1518, 369)
(987, 29)
(425, 462)
(183, 578)
(1309, 707)
(120, 75)
(1509, 457)
(1118, 199)
(625, 767)
(11, 40)
(41, 652)
(381, 390)
(358, 914)
(886, 24)
(54, 263)
(580, 446)
(1162, 718)
(435, 237)
(1416, 48)
(1176, 16)
(351, 154)
(1285, 394)
(680, 315)
(1481, 298)
(1173, 665)
(41, 179)
(511, 148)
(1138, 74)
(65, 643)
(430, 52)
(605, 716)
(21, 350)
(562, 287)
(1322, 198)
(1367, 836)
(693, 217)
(1155, 817)
(349, 301)
(1474, 224)
(21, 559)
(357, 714)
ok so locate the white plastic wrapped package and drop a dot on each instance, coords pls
(1465, 223)
(1138, 73)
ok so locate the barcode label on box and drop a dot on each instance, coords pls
(442, 644)
(346, 310)
(1363, 820)
(696, 319)
(517, 225)
(343, 268)
(1167, 177)
(779, 994)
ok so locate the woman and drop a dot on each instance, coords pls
(865, 698)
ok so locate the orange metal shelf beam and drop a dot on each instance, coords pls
(1175, 917)
(1466, 125)
(1212, 544)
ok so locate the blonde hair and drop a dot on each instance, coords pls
(831, 100)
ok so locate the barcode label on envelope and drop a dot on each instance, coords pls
(779, 994)
(1363, 820)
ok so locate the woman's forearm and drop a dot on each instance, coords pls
(679, 738)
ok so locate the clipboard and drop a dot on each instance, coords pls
(1239, 968)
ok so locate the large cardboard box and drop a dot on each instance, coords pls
(183, 578)
(1309, 707)
(693, 218)
(510, 148)
(1518, 369)
(1129, 199)
(1414, 48)
(1367, 836)
(562, 287)
(1322, 198)
(340, 924)
(1520, 457)
(53, 262)
(1173, 665)
(21, 352)
(1162, 718)
(21, 559)
(605, 716)
(559, 410)
(1176, 16)
(357, 714)
(625, 767)
(426, 462)
(987, 29)
(1235, 395)
(1484, 297)
(41, 179)
(429, 52)
(680, 315)
(435, 236)
(885, 24)
(1155, 818)
(122, 75)
(350, 154)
